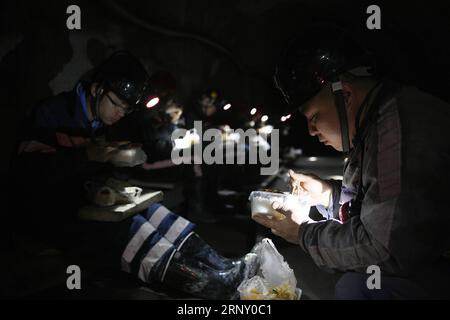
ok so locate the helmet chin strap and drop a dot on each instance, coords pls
(340, 106)
(96, 109)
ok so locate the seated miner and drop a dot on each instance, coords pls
(62, 148)
(389, 212)
(212, 114)
(157, 127)
(174, 111)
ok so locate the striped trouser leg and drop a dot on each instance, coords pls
(153, 238)
(173, 227)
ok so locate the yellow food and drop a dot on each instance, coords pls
(283, 293)
(278, 216)
(277, 293)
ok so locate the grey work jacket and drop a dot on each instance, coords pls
(403, 224)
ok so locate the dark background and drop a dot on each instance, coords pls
(228, 45)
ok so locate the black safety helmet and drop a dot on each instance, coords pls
(123, 74)
(317, 58)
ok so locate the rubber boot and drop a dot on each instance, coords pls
(198, 248)
(199, 271)
(197, 279)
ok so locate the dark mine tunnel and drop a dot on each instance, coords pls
(224, 150)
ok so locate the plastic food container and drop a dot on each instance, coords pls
(261, 203)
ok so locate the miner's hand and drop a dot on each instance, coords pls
(311, 188)
(286, 228)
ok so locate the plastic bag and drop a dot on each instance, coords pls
(275, 280)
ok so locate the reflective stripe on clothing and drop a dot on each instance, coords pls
(153, 239)
(154, 255)
(168, 224)
(176, 229)
(135, 244)
(158, 215)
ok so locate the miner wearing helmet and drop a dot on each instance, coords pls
(65, 163)
(390, 210)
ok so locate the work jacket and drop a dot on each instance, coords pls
(391, 209)
(51, 166)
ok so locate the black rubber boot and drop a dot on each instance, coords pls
(198, 248)
(198, 270)
(193, 277)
